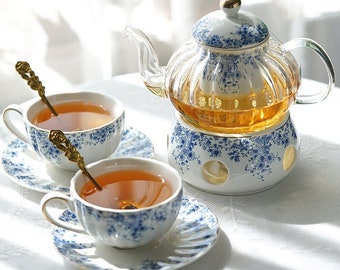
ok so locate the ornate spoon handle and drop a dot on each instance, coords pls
(24, 69)
(58, 138)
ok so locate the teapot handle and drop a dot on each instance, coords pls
(311, 44)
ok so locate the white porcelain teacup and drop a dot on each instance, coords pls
(95, 140)
(120, 226)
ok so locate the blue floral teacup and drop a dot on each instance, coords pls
(94, 143)
(119, 227)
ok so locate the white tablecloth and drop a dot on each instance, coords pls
(294, 225)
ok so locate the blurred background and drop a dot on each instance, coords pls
(69, 42)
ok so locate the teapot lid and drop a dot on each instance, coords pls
(229, 28)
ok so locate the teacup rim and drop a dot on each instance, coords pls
(75, 195)
(27, 105)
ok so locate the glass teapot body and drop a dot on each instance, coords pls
(233, 77)
(232, 91)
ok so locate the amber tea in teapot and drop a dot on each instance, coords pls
(251, 113)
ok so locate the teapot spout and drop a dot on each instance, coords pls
(152, 73)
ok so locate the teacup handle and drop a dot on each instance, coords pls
(8, 120)
(50, 217)
(311, 44)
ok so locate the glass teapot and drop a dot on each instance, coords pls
(234, 76)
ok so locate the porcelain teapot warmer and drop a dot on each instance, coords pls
(231, 86)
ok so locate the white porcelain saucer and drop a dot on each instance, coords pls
(193, 235)
(27, 169)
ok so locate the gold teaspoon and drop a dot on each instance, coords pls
(58, 138)
(24, 69)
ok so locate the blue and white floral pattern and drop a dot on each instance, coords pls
(99, 140)
(242, 35)
(27, 169)
(230, 28)
(230, 67)
(257, 153)
(131, 229)
(194, 233)
(224, 74)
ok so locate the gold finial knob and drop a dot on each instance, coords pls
(230, 3)
(230, 7)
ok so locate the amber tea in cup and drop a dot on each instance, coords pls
(73, 116)
(127, 189)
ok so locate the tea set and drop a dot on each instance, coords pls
(231, 86)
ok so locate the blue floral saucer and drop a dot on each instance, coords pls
(27, 169)
(193, 234)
